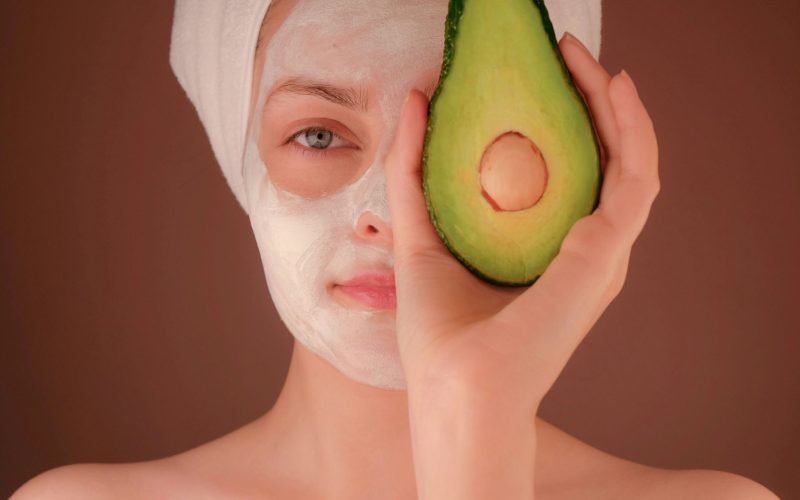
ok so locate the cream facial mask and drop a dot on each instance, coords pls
(306, 245)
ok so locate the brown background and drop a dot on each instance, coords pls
(134, 315)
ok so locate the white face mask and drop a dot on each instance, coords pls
(388, 46)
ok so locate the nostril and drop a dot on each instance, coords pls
(373, 229)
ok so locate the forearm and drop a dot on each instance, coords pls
(468, 448)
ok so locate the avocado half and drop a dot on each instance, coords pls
(503, 73)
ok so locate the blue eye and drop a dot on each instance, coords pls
(318, 138)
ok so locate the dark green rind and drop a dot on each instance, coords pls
(454, 13)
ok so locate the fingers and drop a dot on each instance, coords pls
(592, 80)
(412, 229)
(628, 182)
(630, 192)
(590, 268)
(596, 84)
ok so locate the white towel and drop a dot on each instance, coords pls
(213, 51)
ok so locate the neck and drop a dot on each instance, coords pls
(352, 438)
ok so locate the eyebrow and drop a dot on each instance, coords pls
(355, 99)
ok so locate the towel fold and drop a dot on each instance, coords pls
(213, 51)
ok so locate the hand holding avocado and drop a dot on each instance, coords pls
(508, 345)
(478, 357)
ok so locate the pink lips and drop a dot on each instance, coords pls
(376, 291)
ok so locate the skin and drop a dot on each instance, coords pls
(466, 348)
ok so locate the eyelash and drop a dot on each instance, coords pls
(312, 151)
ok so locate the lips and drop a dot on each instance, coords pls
(373, 291)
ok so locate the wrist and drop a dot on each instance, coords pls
(467, 446)
(479, 398)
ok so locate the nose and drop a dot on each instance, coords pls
(373, 230)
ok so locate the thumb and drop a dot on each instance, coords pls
(412, 230)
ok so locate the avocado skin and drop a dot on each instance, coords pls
(454, 13)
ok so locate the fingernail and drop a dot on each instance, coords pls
(627, 77)
(573, 39)
(408, 96)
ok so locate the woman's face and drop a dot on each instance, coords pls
(329, 85)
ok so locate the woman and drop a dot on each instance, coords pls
(433, 395)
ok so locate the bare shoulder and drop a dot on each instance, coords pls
(87, 481)
(707, 484)
(101, 481)
(223, 468)
(569, 468)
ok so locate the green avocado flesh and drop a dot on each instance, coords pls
(503, 72)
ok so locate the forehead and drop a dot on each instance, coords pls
(359, 37)
(276, 14)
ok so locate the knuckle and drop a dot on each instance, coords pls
(619, 282)
(590, 245)
(648, 185)
(585, 234)
(656, 187)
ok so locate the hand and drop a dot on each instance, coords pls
(508, 345)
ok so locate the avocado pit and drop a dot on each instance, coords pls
(513, 173)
